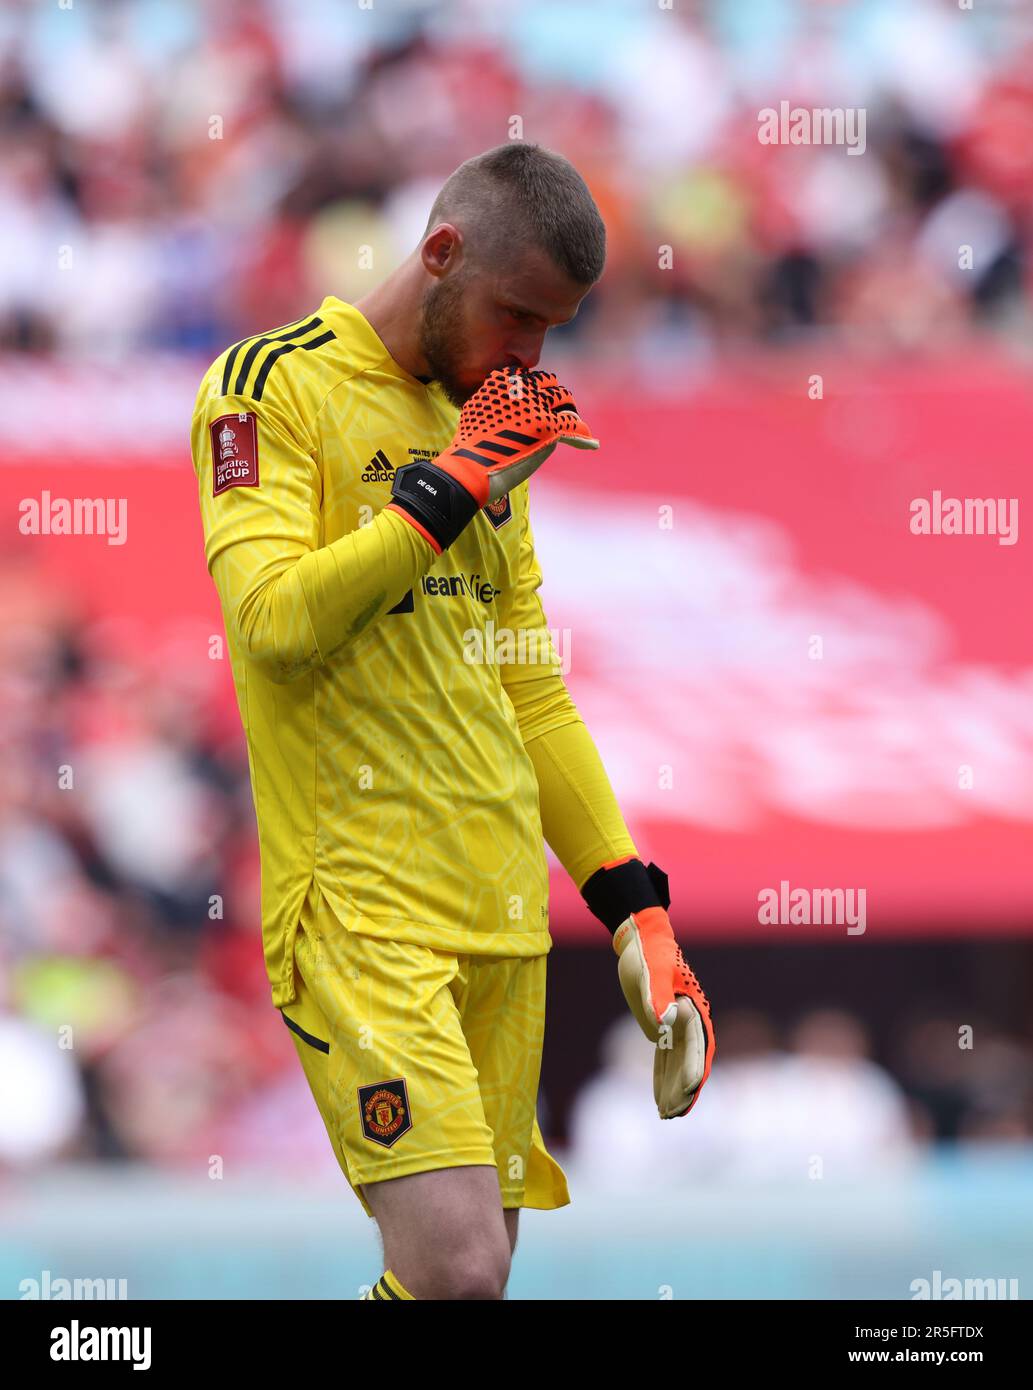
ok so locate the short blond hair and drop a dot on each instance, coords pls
(521, 195)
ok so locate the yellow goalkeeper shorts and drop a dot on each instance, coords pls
(421, 1059)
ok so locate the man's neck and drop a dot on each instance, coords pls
(392, 311)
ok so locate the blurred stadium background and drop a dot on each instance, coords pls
(175, 176)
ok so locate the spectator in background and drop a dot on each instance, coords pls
(136, 1017)
(43, 1104)
(821, 1109)
(204, 170)
(975, 1086)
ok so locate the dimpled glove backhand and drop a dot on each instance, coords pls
(507, 429)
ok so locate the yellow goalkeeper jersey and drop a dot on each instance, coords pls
(386, 759)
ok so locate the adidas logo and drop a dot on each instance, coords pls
(379, 469)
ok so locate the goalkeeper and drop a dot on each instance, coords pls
(363, 478)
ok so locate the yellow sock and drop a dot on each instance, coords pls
(388, 1287)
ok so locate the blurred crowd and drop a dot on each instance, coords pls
(807, 1102)
(134, 1008)
(175, 175)
(135, 1020)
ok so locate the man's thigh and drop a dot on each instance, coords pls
(511, 1215)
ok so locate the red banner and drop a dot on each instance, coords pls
(794, 611)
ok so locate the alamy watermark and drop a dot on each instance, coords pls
(939, 1287)
(818, 125)
(785, 906)
(74, 516)
(50, 1286)
(524, 646)
(966, 516)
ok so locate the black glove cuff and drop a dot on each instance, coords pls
(441, 505)
(611, 894)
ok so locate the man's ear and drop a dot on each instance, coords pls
(441, 249)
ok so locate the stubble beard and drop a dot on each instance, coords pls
(441, 337)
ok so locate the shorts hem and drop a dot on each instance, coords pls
(428, 1163)
(508, 1204)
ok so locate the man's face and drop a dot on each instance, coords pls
(474, 321)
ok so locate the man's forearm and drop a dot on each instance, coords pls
(581, 820)
(291, 614)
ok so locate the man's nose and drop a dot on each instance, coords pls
(524, 356)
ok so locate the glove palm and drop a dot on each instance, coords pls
(670, 1007)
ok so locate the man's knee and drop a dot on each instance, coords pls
(445, 1234)
(477, 1270)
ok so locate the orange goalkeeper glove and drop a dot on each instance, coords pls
(507, 429)
(662, 992)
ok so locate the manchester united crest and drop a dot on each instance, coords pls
(384, 1111)
(499, 511)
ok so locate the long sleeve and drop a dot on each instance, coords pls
(581, 820)
(290, 601)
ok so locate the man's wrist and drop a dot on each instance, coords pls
(439, 506)
(614, 891)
